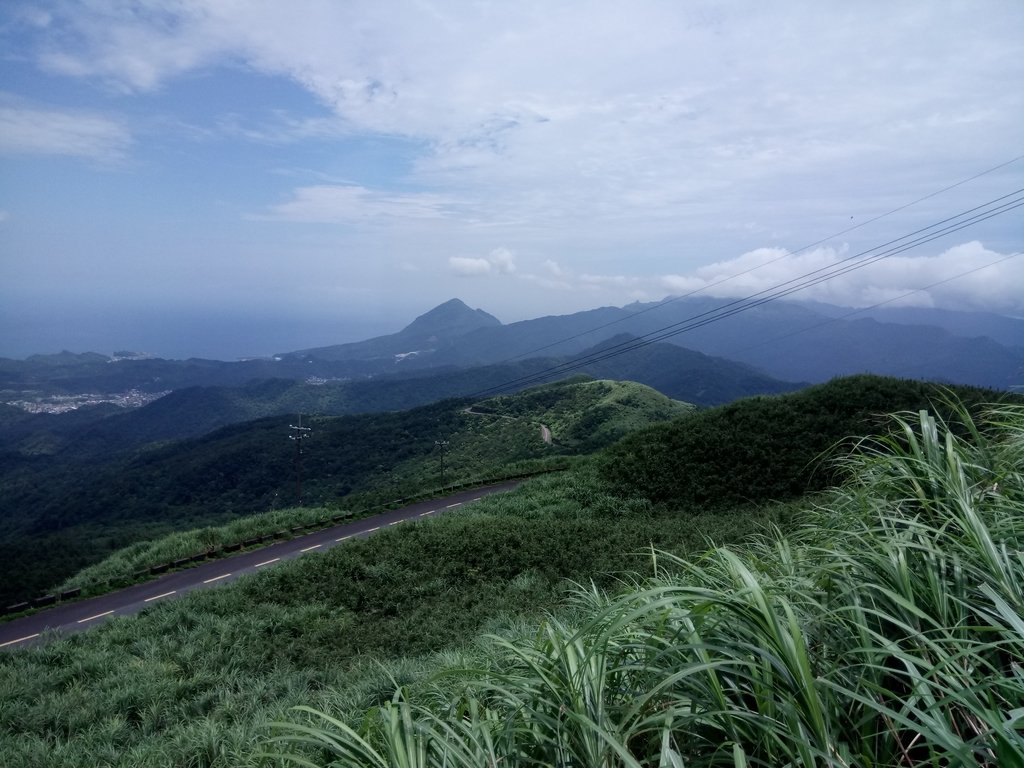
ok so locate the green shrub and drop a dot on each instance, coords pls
(889, 632)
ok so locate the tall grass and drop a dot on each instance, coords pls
(889, 631)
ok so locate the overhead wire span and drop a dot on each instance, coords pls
(913, 239)
(786, 254)
(862, 310)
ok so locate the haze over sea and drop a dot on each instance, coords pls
(221, 180)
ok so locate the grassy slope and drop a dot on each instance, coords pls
(887, 632)
(587, 413)
(209, 670)
(194, 681)
(590, 415)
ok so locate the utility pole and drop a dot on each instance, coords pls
(443, 445)
(301, 433)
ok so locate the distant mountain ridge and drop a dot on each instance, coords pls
(190, 412)
(784, 340)
(436, 329)
(1008, 331)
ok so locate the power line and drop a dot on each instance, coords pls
(782, 256)
(861, 310)
(707, 318)
(301, 433)
(913, 239)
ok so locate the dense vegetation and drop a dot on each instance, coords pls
(767, 447)
(361, 631)
(60, 523)
(888, 632)
(196, 681)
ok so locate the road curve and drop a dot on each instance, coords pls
(64, 619)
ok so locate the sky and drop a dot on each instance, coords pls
(226, 178)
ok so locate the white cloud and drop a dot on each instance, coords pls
(135, 49)
(603, 113)
(967, 276)
(500, 261)
(553, 268)
(352, 203)
(503, 260)
(469, 267)
(34, 130)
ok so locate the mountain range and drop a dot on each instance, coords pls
(790, 341)
(786, 341)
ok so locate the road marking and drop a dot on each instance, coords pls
(307, 549)
(396, 522)
(266, 562)
(157, 597)
(456, 504)
(217, 578)
(97, 616)
(371, 530)
(428, 512)
(477, 498)
(19, 640)
(343, 538)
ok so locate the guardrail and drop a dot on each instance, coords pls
(45, 601)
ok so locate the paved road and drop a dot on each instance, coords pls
(64, 619)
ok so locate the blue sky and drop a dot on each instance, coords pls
(228, 178)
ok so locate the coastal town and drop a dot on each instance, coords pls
(38, 403)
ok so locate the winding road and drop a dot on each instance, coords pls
(66, 618)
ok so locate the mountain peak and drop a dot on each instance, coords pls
(452, 318)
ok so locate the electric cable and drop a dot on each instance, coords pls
(918, 237)
(784, 255)
(861, 310)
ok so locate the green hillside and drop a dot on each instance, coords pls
(590, 414)
(763, 448)
(91, 510)
(340, 631)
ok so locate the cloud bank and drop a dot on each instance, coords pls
(531, 157)
(966, 277)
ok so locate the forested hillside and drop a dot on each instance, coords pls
(211, 671)
(67, 518)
